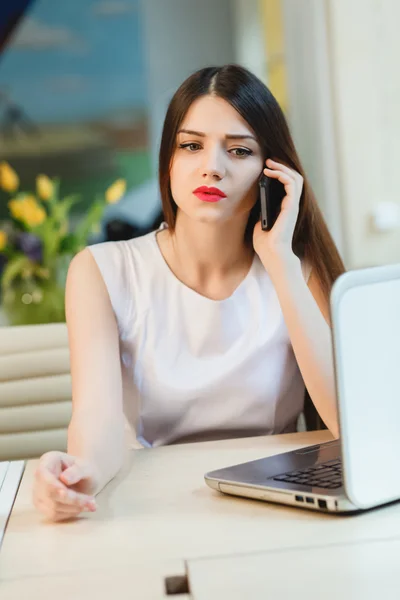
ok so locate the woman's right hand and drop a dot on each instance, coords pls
(64, 486)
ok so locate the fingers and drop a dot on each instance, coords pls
(50, 487)
(292, 181)
(64, 505)
(277, 165)
(284, 174)
(51, 462)
(56, 512)
(282, 177)
(74, 474)
(55, 500)
(48, 480)
(70, 498)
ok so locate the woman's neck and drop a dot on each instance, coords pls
(212, 261)
(211, 250)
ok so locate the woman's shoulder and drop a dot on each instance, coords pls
(124, 255)
(122, 247)
(124, 266)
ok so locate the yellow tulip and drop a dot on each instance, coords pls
(15, 207)
(44, 187)
(27, 210)
(115, 192)
(29, 200)
(3, 240)
(18, 206)
(34, 216)
(8, 178)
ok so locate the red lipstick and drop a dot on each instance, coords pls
(209, 194)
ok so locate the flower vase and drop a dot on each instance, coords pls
(34, 301)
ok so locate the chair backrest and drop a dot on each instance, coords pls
(35, 390)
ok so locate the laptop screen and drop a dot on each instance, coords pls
(367, 340)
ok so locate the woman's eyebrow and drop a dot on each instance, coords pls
(228, 136)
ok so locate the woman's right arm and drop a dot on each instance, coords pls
(96, 430)
(65, 483)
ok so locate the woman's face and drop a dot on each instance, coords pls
(215, 148)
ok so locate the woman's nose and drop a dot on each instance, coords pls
(213, 165)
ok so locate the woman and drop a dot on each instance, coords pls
(210, 326)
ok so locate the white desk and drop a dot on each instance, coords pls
(352, 571)
(158, 517)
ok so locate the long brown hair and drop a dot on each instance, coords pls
(312, 241)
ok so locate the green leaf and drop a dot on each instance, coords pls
(53, 200)
(69, 244)
(92, 218)
(14, 267)
(59, 211)
(51, 230)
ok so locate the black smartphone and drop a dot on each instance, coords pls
(272, 192)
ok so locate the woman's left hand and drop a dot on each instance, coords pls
(276, 244)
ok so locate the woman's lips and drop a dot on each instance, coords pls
(209, 194)
(206, 197)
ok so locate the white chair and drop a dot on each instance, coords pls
(35, 390)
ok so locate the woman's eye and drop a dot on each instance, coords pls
(192, 147)
(241, 152)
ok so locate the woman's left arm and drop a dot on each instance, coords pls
(304, 306)
(306, 314)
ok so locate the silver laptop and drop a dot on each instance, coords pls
(361, 470)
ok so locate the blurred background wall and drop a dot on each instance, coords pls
(365, 51)
(342, 59)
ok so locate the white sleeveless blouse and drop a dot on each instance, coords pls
(195, 368)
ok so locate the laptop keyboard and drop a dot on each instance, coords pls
(325, 475)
